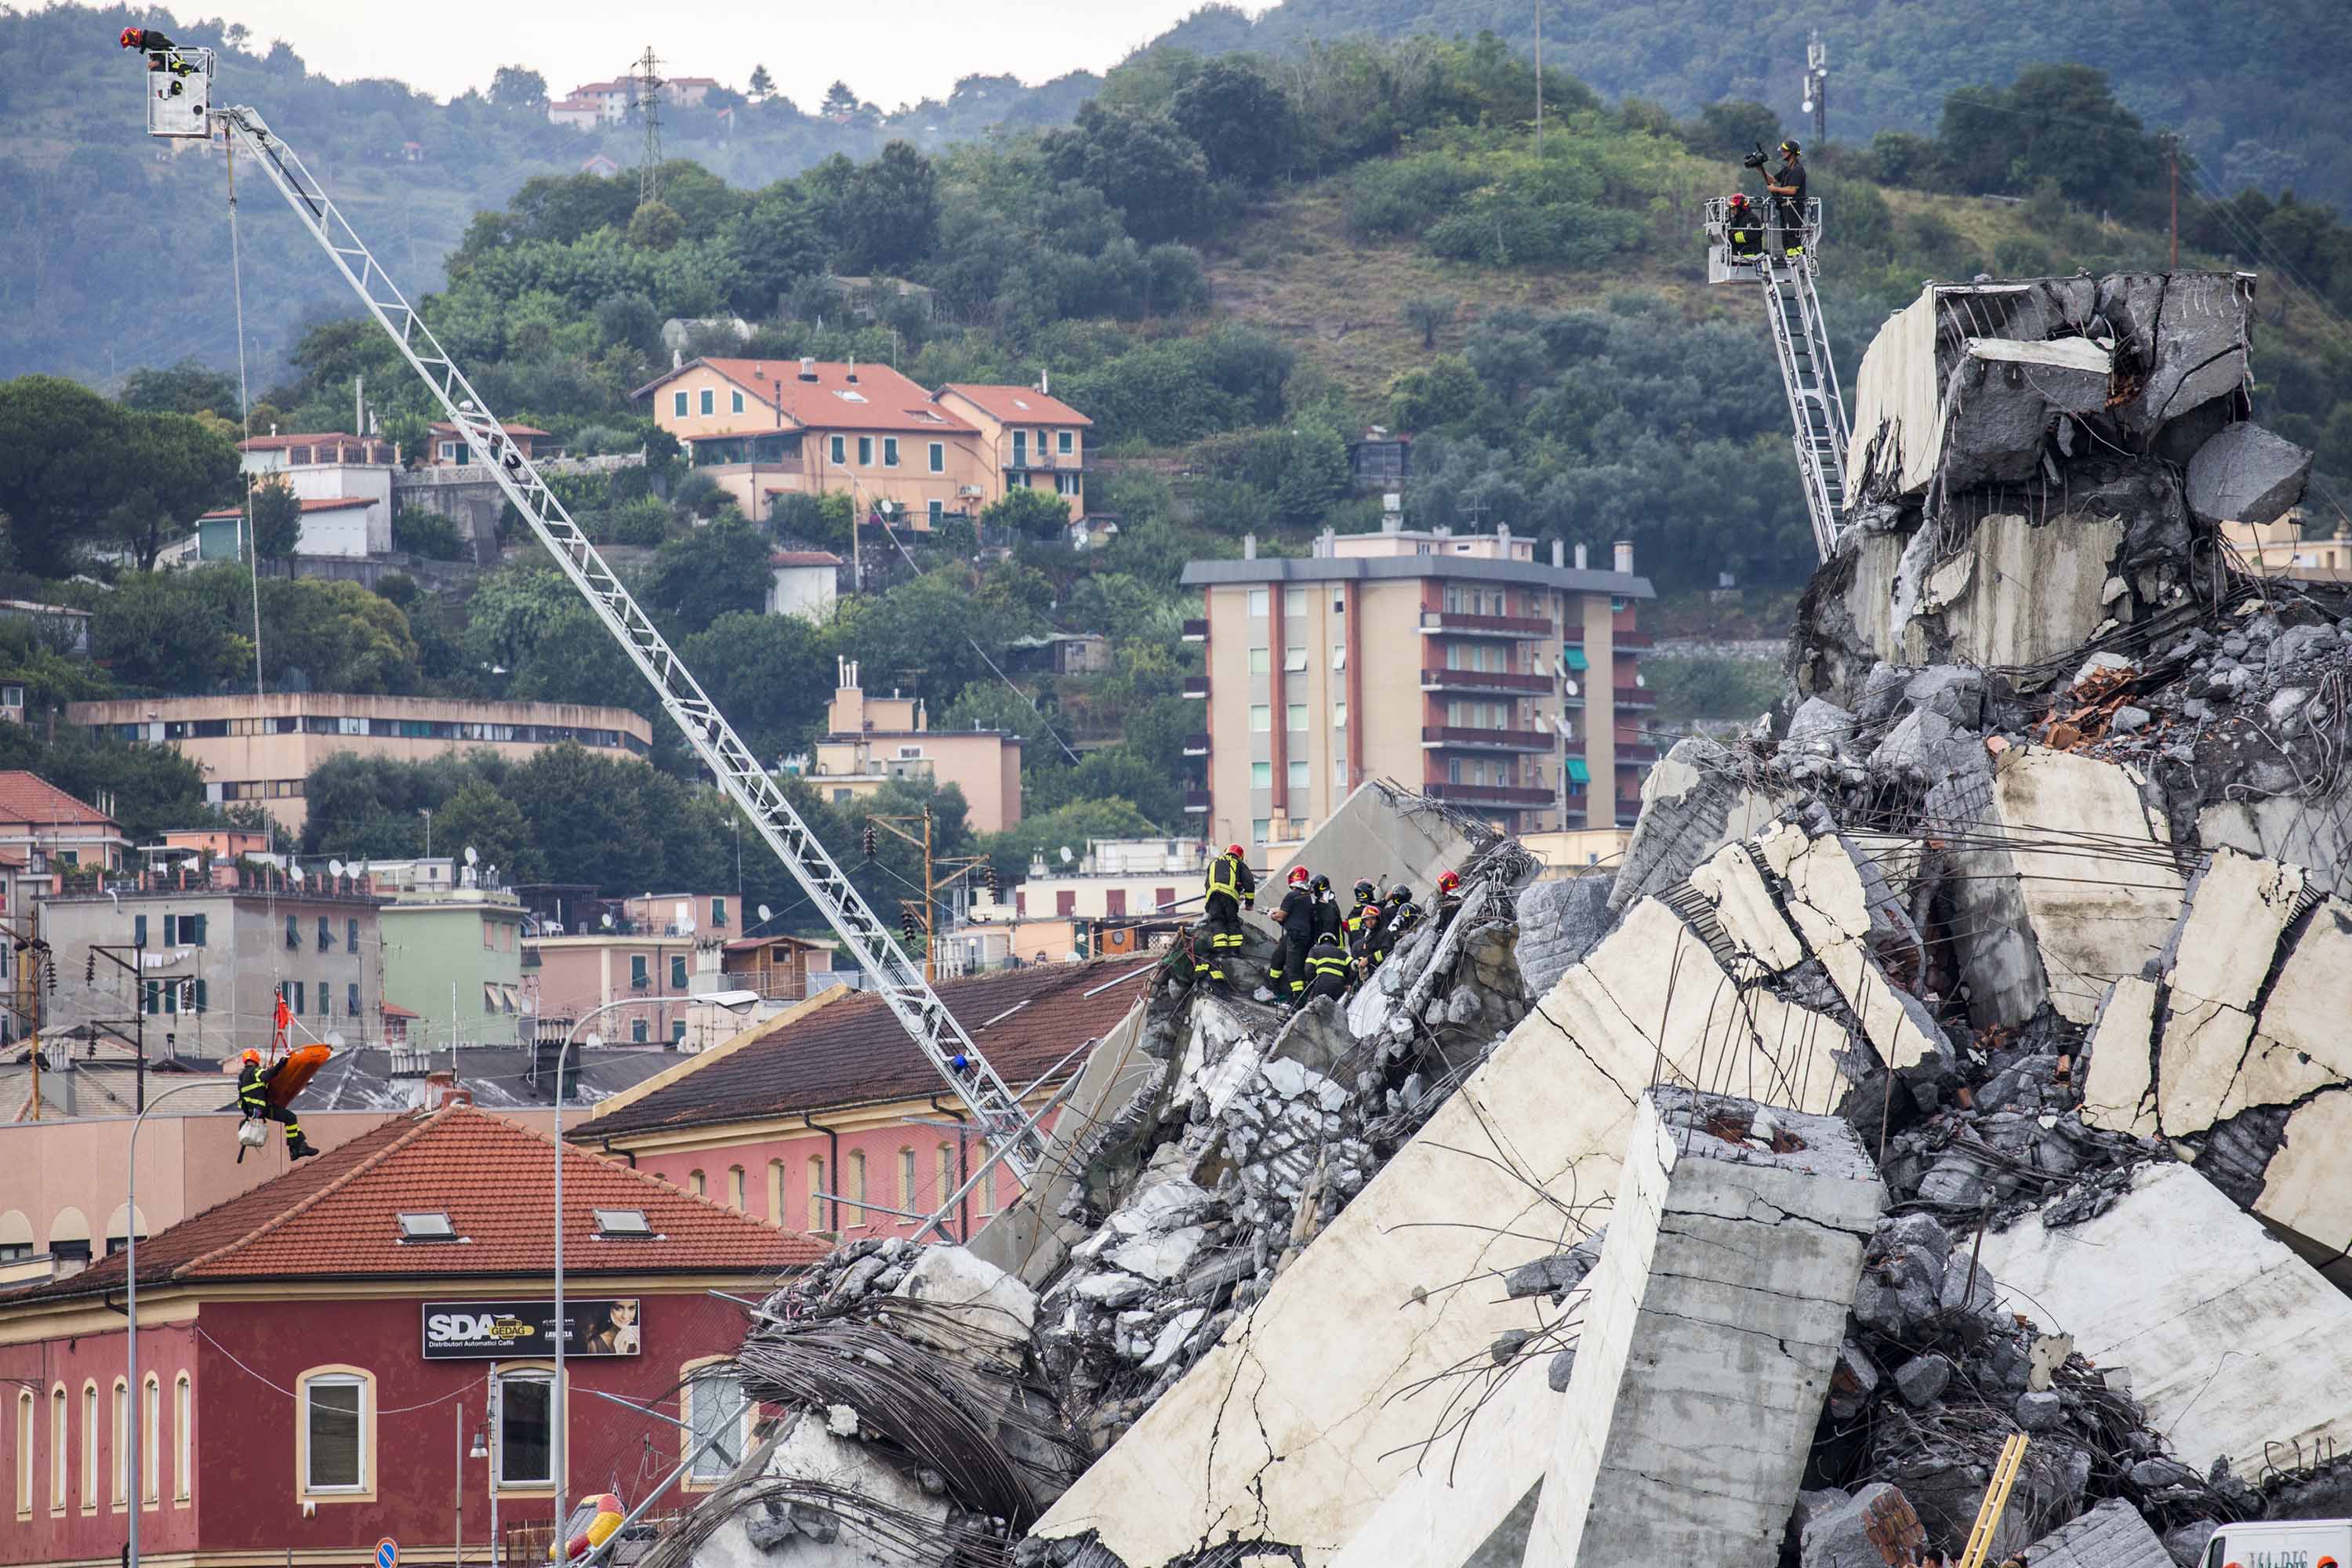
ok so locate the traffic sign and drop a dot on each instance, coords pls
(387, 1554)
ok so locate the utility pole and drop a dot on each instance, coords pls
(135, 966)
(1817, 88)
(32, 958)
(649, 110)
(924, 917)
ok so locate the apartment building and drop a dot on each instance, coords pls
(263, 749)
(869, 741)
(1457, 665)
(765, 428)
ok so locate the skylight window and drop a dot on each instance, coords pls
(849, 396)
(618, 1223)
(426, 1228)
(1020, 402)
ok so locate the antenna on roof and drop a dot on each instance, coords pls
(334, 867)
(765, 916)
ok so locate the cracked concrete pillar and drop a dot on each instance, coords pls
(1714, 1321)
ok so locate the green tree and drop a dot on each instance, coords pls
(718, 567)
(1440, 392)
(1151, 172)
(189, 387)
(1732, 128)
(779, 242)
(426, 533)
(60, 471)
(763, 85)
(176, 467)
(1426, 313)
(839, 100)
(2056, 122)
(518, 88)
(656, 225)
(1069, 825)
(887, 218)
(1029, 513)
(1240, 121)
(771, 675)
(276, 520)
(478, 817)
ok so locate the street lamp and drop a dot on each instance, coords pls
(136, 1415)
(734, 1002)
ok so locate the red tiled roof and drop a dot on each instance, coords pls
(279, 443)
(309, 503)
(32, 799)
(852, 1050)
(879, 399)
(1017, 404)
(336, 1216)
(803, 558)
(394, 1010)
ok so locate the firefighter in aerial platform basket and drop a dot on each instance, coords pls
(163, 55)
(1743, 229)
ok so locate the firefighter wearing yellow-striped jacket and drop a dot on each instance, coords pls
(1360, 921)
(1328, 973)
(253, 1100)
(1231, 889)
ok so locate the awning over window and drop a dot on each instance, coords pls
(1578, 770)
(1576, 659)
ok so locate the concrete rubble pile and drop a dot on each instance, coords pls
(1950, 1055)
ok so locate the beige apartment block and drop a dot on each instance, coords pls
(870, 740)
(263, 749)
(765, 428)
(1457, 665)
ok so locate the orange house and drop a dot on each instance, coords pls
(763, 428)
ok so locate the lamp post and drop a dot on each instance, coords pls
(131, 1481)
(560, 1448)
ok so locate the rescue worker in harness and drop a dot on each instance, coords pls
(1231, 889)
(1743, 229)
(1287, 978)
(253, 1100)
(1327, 909)
(1400, 916)
(1328, 973)
(159, 51)
(1449, 898)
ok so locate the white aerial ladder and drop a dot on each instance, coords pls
(1793, 311)
(995, 1107)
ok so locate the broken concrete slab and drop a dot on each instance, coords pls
(2112, 1535)
(1560, 919)
(2000, 397)
(1699, 797)
(2245, 474)
(1381, 833)
(1719, 1307)
(2230, 1340)
(863, 1522)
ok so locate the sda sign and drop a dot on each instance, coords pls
(457, 1330)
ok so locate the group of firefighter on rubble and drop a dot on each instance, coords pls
(1324, 950)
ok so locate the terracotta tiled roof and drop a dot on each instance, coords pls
(310, 504)
(279, 443)
(336, 1216)
(879, 399)
(30, 798)
(851, 1050)
(1017, 404)
(803, 558)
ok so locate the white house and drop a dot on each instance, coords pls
(804, 582)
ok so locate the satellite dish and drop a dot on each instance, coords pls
(765, 915)
(334, 867)
(471, 859)
(608, 920)
(594, 1041)
(295, 870)
(1809, 106)
(686, 926)
(1065, 853)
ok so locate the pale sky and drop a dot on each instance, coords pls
(890, 51)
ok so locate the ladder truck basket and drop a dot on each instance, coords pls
(179, 84)
(1722, 267)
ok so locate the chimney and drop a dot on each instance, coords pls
(1325, 542)
(1581, 562)
(677, 359)
(1558, 554)
(1249, 546)
(759, 372)
(1503, 538)
(1625, 556)
(1045, 381)
(808, 368)
(852, 376)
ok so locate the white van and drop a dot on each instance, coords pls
(2282, 1543)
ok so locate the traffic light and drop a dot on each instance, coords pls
(871, 840)
(907, 923)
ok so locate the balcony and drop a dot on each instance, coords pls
(1634, 753)
(1196, 800)
(1632, 697)
(1196, 631)
(1482, 680)
(1489, 794)
(1453, 737)
(1197, 686)
(1023, 462)
(1621, 641)
(1454, 623)
(1196, 746)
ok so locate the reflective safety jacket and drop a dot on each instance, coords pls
(1326, 962)
(253, 1090)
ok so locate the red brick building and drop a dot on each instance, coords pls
(318, 1356)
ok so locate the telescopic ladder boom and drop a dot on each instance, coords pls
(1800, 341)
(996, 1108)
